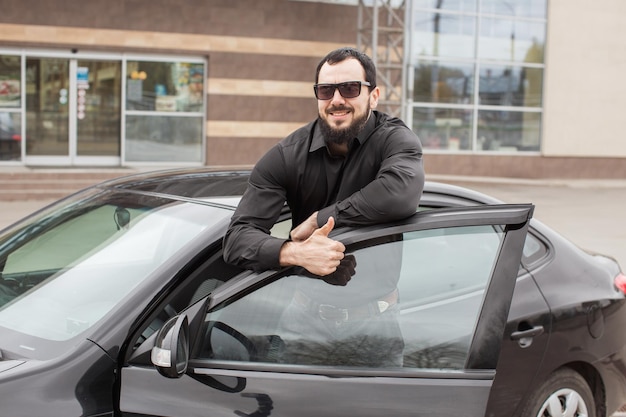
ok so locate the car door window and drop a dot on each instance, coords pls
(413, 302)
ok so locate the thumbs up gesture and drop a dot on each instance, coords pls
(318, 254)
(304, 230)
(325, 230)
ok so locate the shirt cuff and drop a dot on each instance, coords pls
(324, 214)
(270, 252)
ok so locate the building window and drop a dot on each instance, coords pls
(477, 74)
(10, 108)
(164, 111)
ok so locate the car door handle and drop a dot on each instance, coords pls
(532, 332)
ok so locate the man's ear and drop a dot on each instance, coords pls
(374, 94)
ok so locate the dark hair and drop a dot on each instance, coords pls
(341, 54)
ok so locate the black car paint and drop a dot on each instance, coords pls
(573, 316)
(91, 372)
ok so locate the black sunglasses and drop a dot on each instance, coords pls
(349, 89)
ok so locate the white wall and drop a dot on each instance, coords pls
(585, 79)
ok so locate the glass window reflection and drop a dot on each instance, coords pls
(10, 136)
(443, 82)
(11, 100)
(10, 81)
(510, 86)
(165, 86)
(443, 35)
(508, 131)
(443, 128)
(520, 8)
(498, 46)
(154, 90)
(511, 40)
(458, 5)
(159, 138)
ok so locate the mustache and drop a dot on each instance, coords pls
(338, 108)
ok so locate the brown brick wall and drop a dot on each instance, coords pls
(261, 109)
(241, 152)
(282, 19)
(534, 167)
(263, 67)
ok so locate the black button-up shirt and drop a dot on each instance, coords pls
(380, 179)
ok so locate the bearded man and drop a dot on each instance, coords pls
(352, 166)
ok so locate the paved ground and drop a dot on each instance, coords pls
(11, 211)
(590, 213)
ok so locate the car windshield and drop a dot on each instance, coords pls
(65, 268)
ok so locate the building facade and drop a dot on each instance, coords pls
(507, 88)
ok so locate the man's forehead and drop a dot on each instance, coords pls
(347, 70)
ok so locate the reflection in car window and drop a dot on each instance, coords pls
(69, 267)
(413, 302)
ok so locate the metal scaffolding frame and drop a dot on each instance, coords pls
(381, 35)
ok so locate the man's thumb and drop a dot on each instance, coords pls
(326, 229)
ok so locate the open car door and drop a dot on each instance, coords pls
(415, 330)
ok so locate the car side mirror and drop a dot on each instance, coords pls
(170, 354)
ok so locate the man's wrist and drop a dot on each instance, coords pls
(286, 255)
(314, 221)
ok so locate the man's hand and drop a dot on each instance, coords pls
(318, 254)
(343, 274)
(304, 230)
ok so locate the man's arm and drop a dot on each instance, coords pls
(247, 242)
(394, 193)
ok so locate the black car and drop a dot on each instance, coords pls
(116, 301)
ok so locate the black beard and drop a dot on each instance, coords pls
(339, 136)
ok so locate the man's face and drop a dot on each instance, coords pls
(345, 115)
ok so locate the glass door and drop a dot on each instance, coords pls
(47, 108)
(73, 110)
(98, 110)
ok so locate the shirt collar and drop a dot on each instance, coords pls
(318, 139)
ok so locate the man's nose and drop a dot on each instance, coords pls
(337, 97)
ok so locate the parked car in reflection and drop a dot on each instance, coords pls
(116, 301)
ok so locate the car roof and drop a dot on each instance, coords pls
(209, 185)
